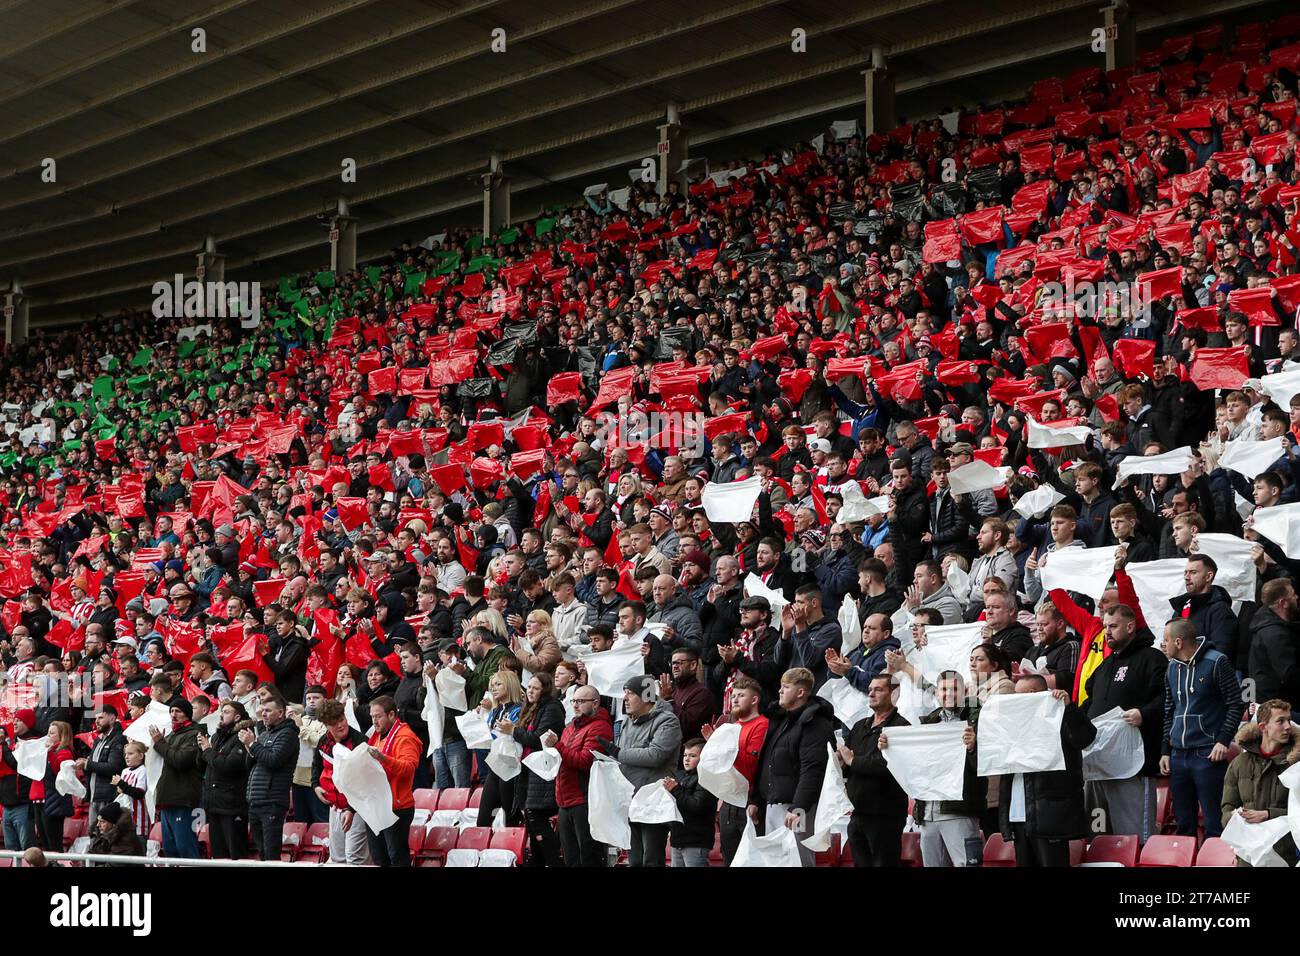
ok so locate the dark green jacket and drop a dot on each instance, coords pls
(1252, 784)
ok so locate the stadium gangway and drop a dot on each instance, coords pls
(17, 857)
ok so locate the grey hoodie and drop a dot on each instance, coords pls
(946, 603)
(648, 746)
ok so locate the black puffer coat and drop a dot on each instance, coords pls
(539, 794)
(792, 764)
(225, 774)
(273, 757)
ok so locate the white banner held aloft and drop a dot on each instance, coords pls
(451, 688)
(754, 587)
(1282, 386)
(1045, 436)
(947, 648)
(928, 761)
(362, 781)
(477, 734)
(1281, 525)
(1170, 463)
(850, 626)
(1232, 554)
(1155, 582)
(857, 506)
(1117, 752)
(1038, 502)
(849, 703)
(608, 671)
(732, 502)
(977, 476)
(1020, 733)
(1251, 458)
(833, 805)
(1085, 570)
(31, 756)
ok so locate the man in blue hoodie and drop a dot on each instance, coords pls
(1203, 708)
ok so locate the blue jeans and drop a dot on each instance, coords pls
(1195, 780)
(178, 838)
(690, 856)
(451, 765)
(19, 833)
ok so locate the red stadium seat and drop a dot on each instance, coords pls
(1077, 850)
(315, 844)
(831, 856)
(205, 840)
(475, 799)
(1214, 852)
(415, 841)
(1122, 849)
(998, 852)
(512, 839)
(291, 839)
(437, 841)
(911, 849)
(846, 854)
(1164, 807)
(1164, 850)
(453, 798)
(6, 861)
(425, 799)
(474, 838)
(73, 827)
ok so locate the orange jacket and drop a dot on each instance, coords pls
(401, 752)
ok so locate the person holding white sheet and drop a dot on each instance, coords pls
(1132, 678)
(994, 561)
(541, 713)
(929, 589)
(347, 832)
(1061, 526)
(1002, 627)
(396, 748)
(792, 765)
(15, 789)
(879, 803)
(1042, 812)
(1251, 787)
(948, 825)
(647, 752)
(1056, 650)
(746, 695)
(1207, 606)
(575, 745)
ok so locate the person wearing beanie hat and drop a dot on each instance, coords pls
(114, 835)
(180, 783)
(15, 789)
(647, 752)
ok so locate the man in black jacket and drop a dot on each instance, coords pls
(180, 784)
(1003, 630)
(286, 655)
(273, 754)
(909, 518)
(1131, 678)
(879, 803)
(720, 614)
(1056, 652)
(1274, 668)
(807, 633)
(106, 761)
(1208, 607)
(792, 764)
(409, 698)
(1042, 812)
(225, 766)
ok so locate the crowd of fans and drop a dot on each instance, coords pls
(497, 457)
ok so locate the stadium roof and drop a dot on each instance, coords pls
(158, 147)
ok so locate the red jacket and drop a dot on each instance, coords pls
(401, 753)
(575, 746)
